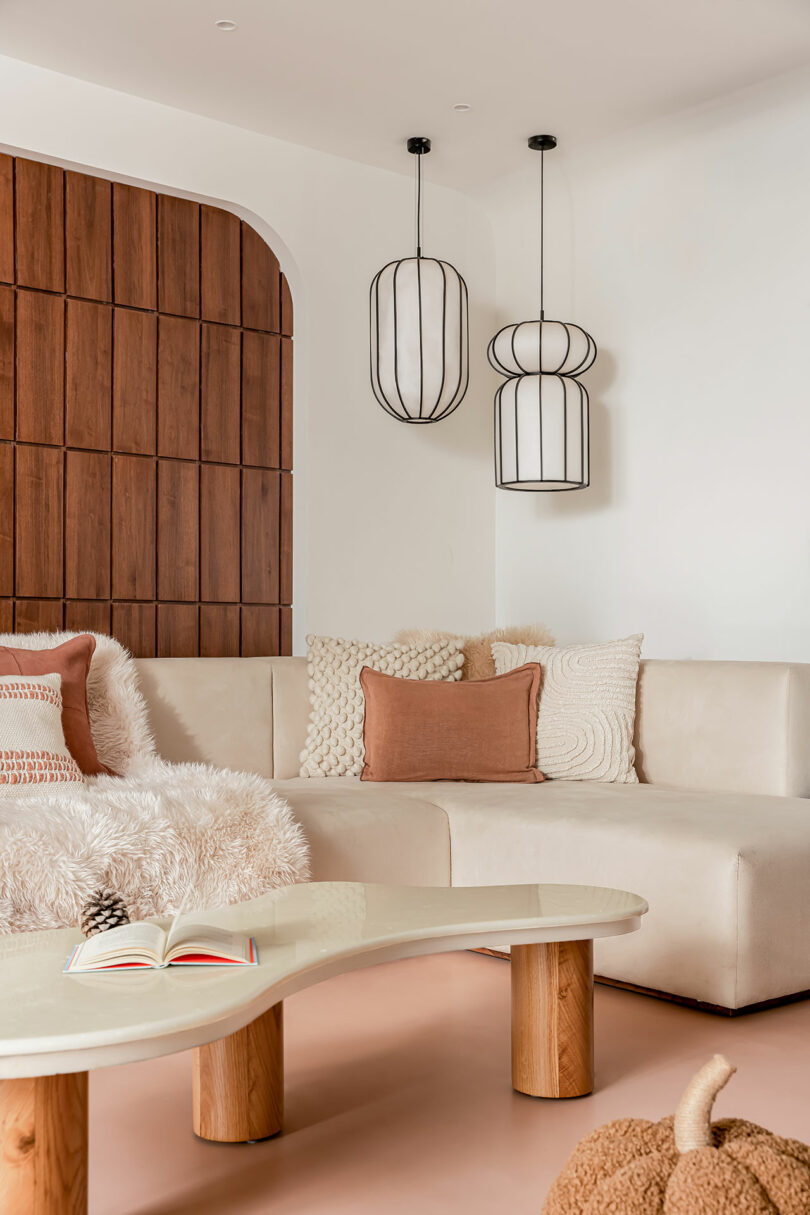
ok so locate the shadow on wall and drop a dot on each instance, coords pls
(599, 494)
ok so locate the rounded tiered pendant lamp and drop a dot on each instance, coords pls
(541, 412)
(419, 329)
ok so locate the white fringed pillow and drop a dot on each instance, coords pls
(587, 707)
(334, 744)
(33, 751)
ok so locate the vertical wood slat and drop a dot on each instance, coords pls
(285, 643)
(39, 522)
(38, 615)
(178, 256)
(261, 633)
(7, 359)
(134, 381)
(88, 375)
(178, 407)
(39, 225)
(88, 236)
(219, 630)
(178, 532)
(220, 523)
(220, 394)
(177, 630)
(286, 308)
(220, 297)
(6, 219)
(134, 247)
(261, 392)
(286, 460)
(260, 536)
(261, 284)
(6, 519)
(6, 615)
(286, 539)
(88, 615)
(87, 525)
(133, 528)
(40, 367)
(134, 626)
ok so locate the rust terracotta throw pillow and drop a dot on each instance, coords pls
(484, 730)
(72, 661)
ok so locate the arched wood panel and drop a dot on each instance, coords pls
(145, 418)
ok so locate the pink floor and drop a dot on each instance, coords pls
(398, 1100)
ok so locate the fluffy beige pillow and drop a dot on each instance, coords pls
(478, 661)
(587, 707)
(334, 744)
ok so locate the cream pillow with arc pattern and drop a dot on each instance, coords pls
(334, 745)
(587, 709)
(33, 752)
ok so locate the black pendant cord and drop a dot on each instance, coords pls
(542, 234)
(419, 206)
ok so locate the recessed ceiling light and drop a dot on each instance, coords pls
(227, 26)
(461, 107)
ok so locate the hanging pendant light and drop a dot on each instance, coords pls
(419, 329)
(541, 412)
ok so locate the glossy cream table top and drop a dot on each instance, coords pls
(52, 1023)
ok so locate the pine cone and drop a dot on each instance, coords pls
(104, 909)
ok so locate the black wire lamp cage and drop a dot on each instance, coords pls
(542, 439)
(420, 343)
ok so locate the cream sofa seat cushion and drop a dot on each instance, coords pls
(359, 832)
(726, 875)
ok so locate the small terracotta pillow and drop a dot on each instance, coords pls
(71, 660)
(483, 730)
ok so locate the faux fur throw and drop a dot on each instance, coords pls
(478, 661)
(164, 834)
(158, 835)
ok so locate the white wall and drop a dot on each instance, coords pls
(394, 524)
(684, 248)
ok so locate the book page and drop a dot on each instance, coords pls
(203, 938)
(142, 938)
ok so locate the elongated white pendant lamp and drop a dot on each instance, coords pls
(541, 412)
(420, 365)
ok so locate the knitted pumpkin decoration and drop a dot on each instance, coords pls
(685, 1165)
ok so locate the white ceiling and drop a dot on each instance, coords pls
(355, 77)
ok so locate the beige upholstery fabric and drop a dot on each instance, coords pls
(735, 726)
(212, 710)
(384, 838)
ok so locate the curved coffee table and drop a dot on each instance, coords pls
(54, 1028)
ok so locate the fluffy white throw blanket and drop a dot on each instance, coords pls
(161, 835)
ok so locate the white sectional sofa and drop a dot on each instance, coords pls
(716, 837)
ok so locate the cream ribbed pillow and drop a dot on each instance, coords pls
(587, 707)
(334, 744)
(33, 753)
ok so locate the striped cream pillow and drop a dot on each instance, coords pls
(33, 752)
(587, 711)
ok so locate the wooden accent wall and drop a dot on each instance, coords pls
(145, 418)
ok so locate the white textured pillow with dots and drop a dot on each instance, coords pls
(587, 710)
(337, 707)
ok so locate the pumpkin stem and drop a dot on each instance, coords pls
(693, 1119)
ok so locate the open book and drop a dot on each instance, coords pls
(149, 945)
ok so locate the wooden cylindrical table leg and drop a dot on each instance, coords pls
(238, 1082)
(43, 1145)
(552, 1019)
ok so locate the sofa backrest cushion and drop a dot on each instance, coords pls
(742, 727)
(735, 726)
